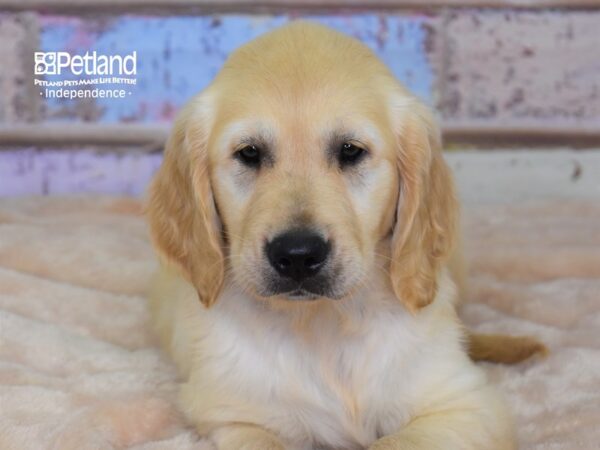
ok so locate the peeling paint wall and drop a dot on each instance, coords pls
(493, 66)
(17, 32)
(513, 65)
(88, 170)
(178, 56)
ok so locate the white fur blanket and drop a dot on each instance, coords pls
(79, 368)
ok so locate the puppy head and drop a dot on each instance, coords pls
(292, 168)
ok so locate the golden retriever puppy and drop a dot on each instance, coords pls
(305, 219)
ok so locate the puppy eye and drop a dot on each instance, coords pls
(249, 155)
(351, 154)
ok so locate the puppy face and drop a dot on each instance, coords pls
(306, 185)
(294, 166)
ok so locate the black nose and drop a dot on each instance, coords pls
(298, 254)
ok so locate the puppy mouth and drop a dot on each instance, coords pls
(318, 287)
(300, 294)
(298, 264)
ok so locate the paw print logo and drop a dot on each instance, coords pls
(45, 63)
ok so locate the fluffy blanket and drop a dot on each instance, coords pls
(79, 368)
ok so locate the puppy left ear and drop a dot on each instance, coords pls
(427, 211)
(181, 211)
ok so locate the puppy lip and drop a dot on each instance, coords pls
(300, 294)
(303, 294)
(320, 287)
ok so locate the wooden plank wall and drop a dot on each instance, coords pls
(517, 72)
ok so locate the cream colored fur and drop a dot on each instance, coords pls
(382, 366)
(358, 372)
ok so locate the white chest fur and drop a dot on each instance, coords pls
(310, 376)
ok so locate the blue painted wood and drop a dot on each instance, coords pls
(58, 172)
(178, 56)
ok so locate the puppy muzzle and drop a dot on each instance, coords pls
(299, 259)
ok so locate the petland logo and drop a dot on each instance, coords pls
(55, 63)
(65, 76)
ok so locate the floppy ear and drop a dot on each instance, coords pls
(427, 212)
(183, 220)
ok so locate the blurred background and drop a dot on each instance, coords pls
(522, 77)
(515, 85)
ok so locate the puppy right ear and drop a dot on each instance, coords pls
(427, 217)
(184, 226)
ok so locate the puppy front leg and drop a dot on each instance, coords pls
(478, 425)
(444, 431)
(245, 437)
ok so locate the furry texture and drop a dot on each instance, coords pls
(79, 369)
(375, 360)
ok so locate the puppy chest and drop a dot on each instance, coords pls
(339, 394)
(348, 406)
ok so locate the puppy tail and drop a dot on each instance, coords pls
(499, 348)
